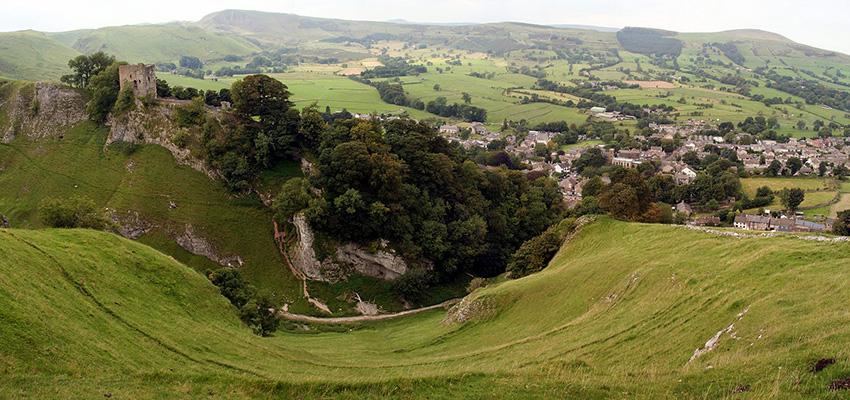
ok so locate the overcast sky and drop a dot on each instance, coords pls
(820, 23)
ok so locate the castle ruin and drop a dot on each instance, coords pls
(140, 77)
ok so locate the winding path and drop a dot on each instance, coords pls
(363, 318)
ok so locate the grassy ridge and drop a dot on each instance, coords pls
(618, 314)
(33, 56)
(162, 43)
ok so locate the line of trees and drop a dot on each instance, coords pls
(466, 112)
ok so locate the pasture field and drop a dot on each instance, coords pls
(200, 84)
(337, 92)
(619, 313)
(581, 145)
(751, 185)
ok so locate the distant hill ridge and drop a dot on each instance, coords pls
(34, 55)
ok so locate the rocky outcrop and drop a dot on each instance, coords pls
(381, 263)
(43, 110)
(130, 224)
(153, 124)
(197, 245)
(470, 309)
(304, 256)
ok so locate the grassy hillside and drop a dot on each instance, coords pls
(156, 43)
(33, 55)
(144, 183)
(618, 314)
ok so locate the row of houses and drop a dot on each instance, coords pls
(780, 224)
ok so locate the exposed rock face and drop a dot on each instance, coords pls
(197, 245)
(153, 125)
(470, 309)
(382, 264)
(43, 110)
(304, 257)
(131, 225)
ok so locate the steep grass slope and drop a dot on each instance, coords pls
(140, 187)
(618, 314)
(33, 56)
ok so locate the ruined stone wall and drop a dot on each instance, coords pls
(141, 78)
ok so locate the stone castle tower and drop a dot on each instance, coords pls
(141, 78)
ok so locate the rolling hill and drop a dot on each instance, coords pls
(156, 43)
(33, 55)
(620, 313)
(242, 32)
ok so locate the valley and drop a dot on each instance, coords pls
(607, 322)
(262, 205)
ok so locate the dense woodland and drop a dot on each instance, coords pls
(403, 182)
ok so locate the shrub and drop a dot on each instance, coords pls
(104, 89)
(255, 310)
(842, 224)
(74, 212)
(180, 138)
(126, 101)
(414, 284)
(259, 315)
(191, 114)
(534, 255)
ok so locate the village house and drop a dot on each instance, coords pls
(449, 130)
(752, 222)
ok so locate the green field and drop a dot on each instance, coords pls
(338, 92)
(750, 185)
(581, 145)
(618, 314)
(200, 84)
(145, 182)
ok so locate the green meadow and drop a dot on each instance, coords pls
(619, 313)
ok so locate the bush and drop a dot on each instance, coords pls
(414, 284)
(259, 315)
(842, 224)
(104, 89)
(126, 101)
(191, 114)
(534, 255)
(255, 310)
(75, 212)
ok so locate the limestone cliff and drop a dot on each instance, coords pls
(381, 263)
(154, 124)
(41, 110)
